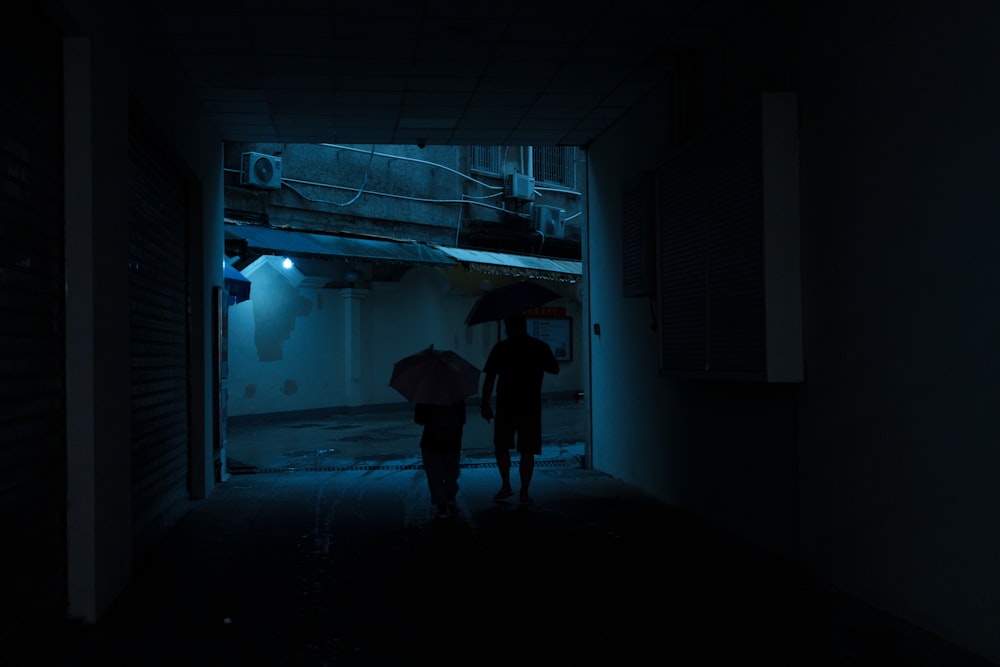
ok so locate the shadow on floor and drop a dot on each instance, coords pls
(351, 568)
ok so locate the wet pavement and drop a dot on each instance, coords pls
(389, 436)
(325, 551)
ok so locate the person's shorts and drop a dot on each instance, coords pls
(524, 435)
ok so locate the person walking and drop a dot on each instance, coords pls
(516, 365)
(441, 452)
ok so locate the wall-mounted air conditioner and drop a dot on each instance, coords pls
(549, 220)
(261, 171)
(519, 186)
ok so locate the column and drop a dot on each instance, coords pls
(353, 339)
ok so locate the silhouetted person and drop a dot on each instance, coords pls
(441, 451)
(517, 365)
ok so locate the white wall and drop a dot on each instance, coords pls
(899, 431)
(286, 347)
(628, 400)
(879, 471)
(723, 450)
(287, 344)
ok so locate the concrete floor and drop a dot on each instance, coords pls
(341, 562)
(329, 441)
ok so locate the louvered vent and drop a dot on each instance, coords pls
(159, 327)
(730, 296)
(638, 251)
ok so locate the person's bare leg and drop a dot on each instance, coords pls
(525, 469)
(503, 466)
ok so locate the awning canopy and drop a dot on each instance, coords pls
(288, 242)
(268, 240)
(522, 266)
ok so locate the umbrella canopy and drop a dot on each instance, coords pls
(237, 284)
(507, 300)
(438, 377)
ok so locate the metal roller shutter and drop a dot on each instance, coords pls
(158, 312)
(32, 328)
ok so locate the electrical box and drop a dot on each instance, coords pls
(549, 220)
(520, 186)
(261, 171)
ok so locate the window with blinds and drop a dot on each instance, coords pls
(728, 250)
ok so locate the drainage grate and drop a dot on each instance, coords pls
(253, 470)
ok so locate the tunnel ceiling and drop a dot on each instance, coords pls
(549, 72)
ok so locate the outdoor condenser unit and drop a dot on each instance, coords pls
(261, 171)
(549, 220)
(520, 186)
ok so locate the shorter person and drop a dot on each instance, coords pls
(441, 450)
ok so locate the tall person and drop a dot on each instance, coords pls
(516, 365)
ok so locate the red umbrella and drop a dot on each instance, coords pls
(496, 304)
(438, 377)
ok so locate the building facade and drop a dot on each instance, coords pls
(388, 249)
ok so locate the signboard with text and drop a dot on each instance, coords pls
(551, 325)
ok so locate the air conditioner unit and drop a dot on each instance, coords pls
(261, 171)
(520, 186)
(549, 220)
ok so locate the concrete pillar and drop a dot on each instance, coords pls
(353, 338)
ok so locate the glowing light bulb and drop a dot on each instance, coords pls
(287, 263)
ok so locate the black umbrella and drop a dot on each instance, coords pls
(496, 304)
